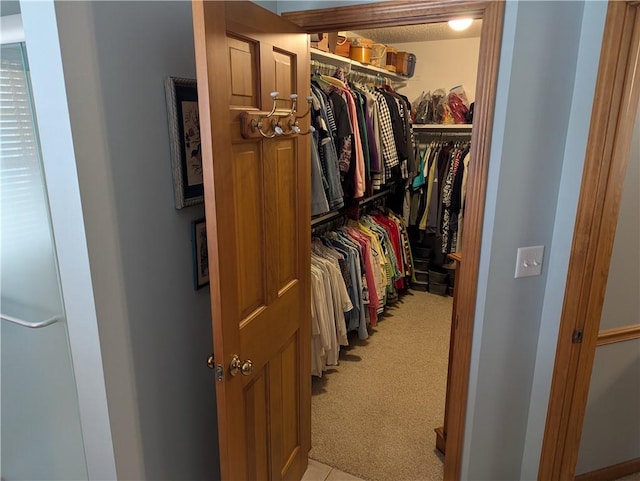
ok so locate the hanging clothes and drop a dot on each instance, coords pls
(356, 270)
(362, 140)
(324, 143)
(438, 191)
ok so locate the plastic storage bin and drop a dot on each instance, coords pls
(421, 252)
(437, 288)
(422, 276)
(420, 286)
(420, 264)
(438, 277)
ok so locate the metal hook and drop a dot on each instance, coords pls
(293, 123)
(274, 96)
(309, 101)
(311, 130)
(294, 102)
(277, 128)
(296, 128)
(257, 125)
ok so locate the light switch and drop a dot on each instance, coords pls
(529, 261)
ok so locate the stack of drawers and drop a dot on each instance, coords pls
(433, 272)
(421, 256)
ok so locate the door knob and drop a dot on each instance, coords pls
(247, 367)
(238, 366)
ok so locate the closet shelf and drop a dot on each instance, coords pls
(438, 127)
(339, 61)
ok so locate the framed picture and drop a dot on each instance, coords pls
(200, 255)
(184, 136)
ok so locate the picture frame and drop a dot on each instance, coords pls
(200, 253)
(184, 137)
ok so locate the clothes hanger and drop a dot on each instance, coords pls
(334, 81)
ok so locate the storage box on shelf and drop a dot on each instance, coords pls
(349, 64)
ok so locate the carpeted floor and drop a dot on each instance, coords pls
(373, 415)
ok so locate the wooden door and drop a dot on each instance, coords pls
(257, 203)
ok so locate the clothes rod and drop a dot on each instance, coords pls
(377, 196)
(326, 218)
(329, 216)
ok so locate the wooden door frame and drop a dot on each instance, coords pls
(612, 120)
(398, 13)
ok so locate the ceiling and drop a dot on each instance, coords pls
(419, 33)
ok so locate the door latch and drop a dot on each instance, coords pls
(211, 364)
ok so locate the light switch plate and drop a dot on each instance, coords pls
(529, 261)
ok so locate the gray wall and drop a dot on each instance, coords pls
(295, 5)
(531, 138)
(268, 4)
(155, 329)
(611, 430)
(558, 258)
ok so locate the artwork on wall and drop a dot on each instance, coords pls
(200, 254)
(184, 135)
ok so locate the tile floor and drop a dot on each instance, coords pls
(317, 471)
(321, 472)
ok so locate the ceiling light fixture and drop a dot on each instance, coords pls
(460, 24)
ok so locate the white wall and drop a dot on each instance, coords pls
(443, 64)
(611, 430)
(155, 329)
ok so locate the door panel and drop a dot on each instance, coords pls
(250, 232)
(242, 66)
(284, 75)
(257, 203)
(286, 175)
(256, 399)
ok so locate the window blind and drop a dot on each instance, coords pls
(24, 208)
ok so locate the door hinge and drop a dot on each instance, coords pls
(576, 338)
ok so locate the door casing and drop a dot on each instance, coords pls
(399, 13)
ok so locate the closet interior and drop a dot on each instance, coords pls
(391, 114)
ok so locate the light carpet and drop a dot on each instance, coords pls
(373, 415)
